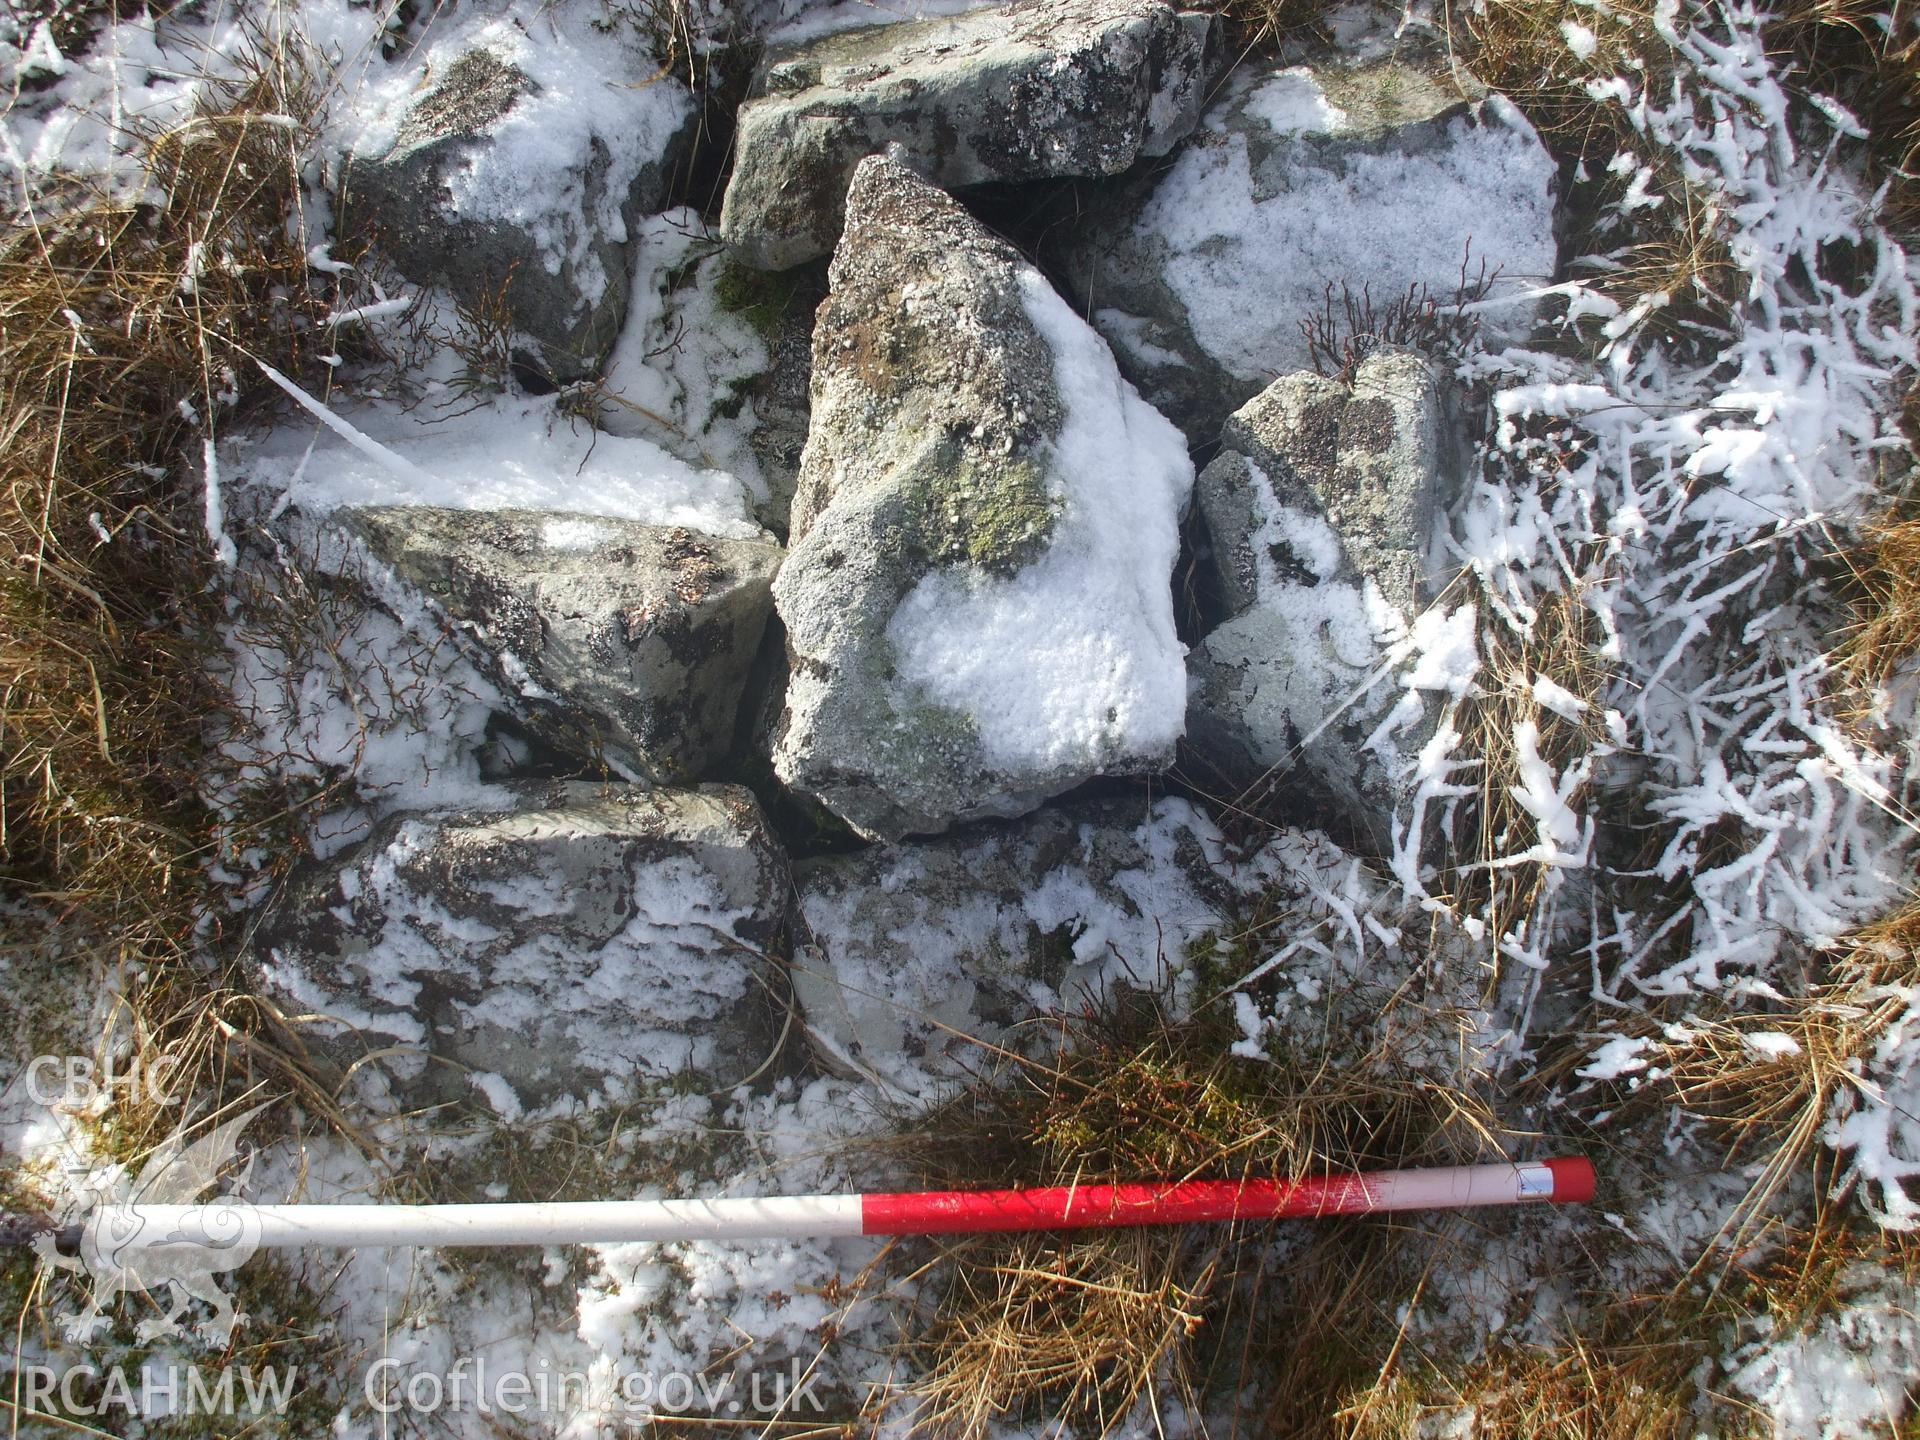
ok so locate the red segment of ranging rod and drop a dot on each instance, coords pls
(954, 1212)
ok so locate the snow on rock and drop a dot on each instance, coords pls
(1322, 511)
(582, 940)
(341, 669)
(812, 19)
(630, 640)
(364, 704)
(912, 956)
(508, 453)
(977, 600)
(1379, 176)
(521, 170)
(345, 690)
(911, 959)
(1034, 89)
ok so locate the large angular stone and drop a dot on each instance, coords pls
(910, 957)
(977, 600)
(578, 939)
(1322, 512)
(625, 640)
(1386, 178)
(496, 185)
(1025, 91)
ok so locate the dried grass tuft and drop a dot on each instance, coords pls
(1634, 1374)
(1264, 26)
(1500, 863)
(1770, 1075)
(1649, 1366)
(1091, 1328)
(1644, 234)
(1865, 54)
(126, 331)
(1886, 632)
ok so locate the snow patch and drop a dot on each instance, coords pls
(1288, 231)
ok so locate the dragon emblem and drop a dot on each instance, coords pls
(120, 1256)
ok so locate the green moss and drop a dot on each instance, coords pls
(762, 298)
(1212, 966)
(994, 516)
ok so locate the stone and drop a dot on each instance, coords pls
(623, 641)
(578, 939)
(1388, 177)
(1032, 90)
(1322, 510)
(517, 194)
(909, 957)
(978, 595)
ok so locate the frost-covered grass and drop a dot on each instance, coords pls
(1680, 493)
(1866, 55)
(1706, 850)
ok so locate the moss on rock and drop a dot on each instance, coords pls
(762, 298)
(996, 516)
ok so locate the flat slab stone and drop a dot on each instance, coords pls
(628, 640)
(578, 940)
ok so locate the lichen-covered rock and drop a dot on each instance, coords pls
(519, 174)
(1322, 511)
(1386, 177)
(632, 641)
(905, 951)
(578, 939)
(1025, 91)
(977, 598)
